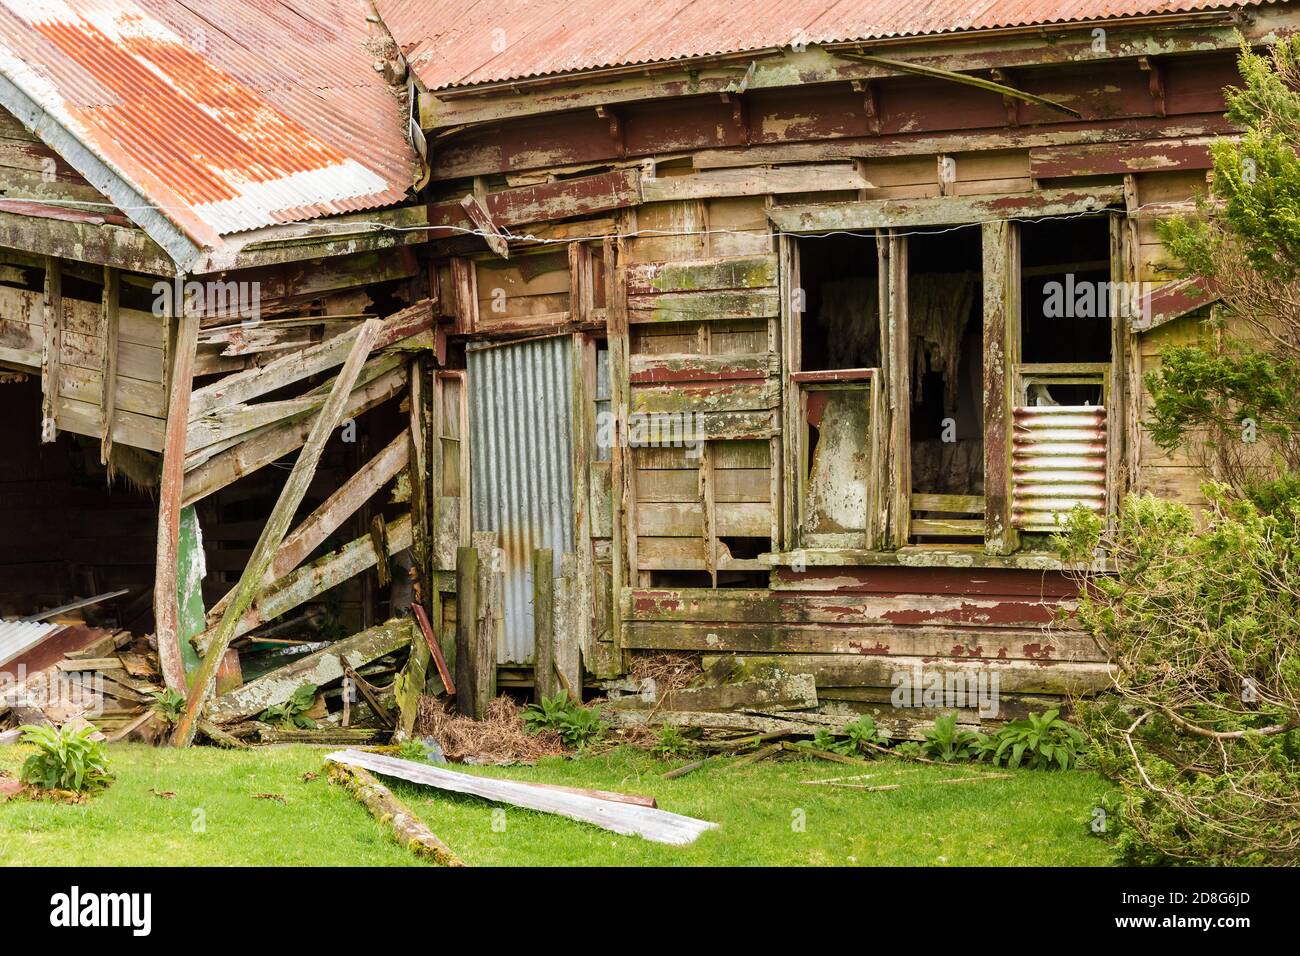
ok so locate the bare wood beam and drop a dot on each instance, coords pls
(171, 485)
(277, 526)
(488, 229)
(253, 382)
(53, 346)
(267, 446)
(108, 332)
(1001, 352)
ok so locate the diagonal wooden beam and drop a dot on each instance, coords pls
(963, 78)
(253, 382)
(277, 526)
(262, 447)
(482, 219)
(332, 512)
(311, 580)
(170, 489)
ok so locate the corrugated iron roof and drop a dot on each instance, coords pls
(458, 43)
(227, 114)
(18, 637)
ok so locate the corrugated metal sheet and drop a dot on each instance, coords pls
(521, 441)
(18, 637)
(229, 115)
(1059, 461)
(483, 41)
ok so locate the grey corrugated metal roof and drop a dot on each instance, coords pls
(18, 637)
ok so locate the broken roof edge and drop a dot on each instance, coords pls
(536, 81)
(128, 198)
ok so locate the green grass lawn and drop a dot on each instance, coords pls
(767, 816)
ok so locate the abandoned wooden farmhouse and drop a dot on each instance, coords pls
(536, 336)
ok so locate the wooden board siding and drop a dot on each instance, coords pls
(139, 407)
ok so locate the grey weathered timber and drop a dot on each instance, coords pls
(945, 210)
(318, 668)
(466, 627)
(166, 593)
(544, 623)
(407, 828)
(778, 692)
(652, 824)
(277, 525)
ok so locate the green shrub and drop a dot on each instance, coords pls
(65, 759)
(947, 742)
(169, 705)
(671, 743)
(412, 750)
(577, 726)
(293, 712)
(852, 740)
(1041, 742)
(1202, 619)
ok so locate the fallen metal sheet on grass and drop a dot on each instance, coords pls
(659, 826)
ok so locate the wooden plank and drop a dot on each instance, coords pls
(736, 605)
(706, 306)
(956, 504)
(701, 275)
(249, 384)
(561, 199)
(756, 181)
(781, 690)
(1039, 644)
(945, 210)
(51, 353)
(544, 623)
(319, 668)
(407, 828)
(484, 226)
(277, 526)
(110, 323)
(1001, 257)
(273, 443)
(166, 586)
(315, 579)
(488, 624)
(1113, 159)
(341, 505)
(1022, 677)
(467, 614)
(629, 819)
(1171, 301)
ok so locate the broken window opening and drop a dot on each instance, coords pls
(945, 322)
(1066, 291)
(840, 287)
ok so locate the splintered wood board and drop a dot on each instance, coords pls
(658, 826)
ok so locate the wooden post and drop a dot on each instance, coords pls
(108, 322)
(418, 472)
(51, 353)
(466, 627)
(544, 623)
(1001, 353)
(277, 526)
(166, 594)
(568, 659)
(488, 624)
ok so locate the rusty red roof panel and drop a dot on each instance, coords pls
(457, 43)
(226, 114)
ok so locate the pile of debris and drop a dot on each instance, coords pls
(57, 673)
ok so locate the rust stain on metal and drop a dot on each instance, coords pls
(197, 114)
(453, 44)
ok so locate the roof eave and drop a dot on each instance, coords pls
(126, 197)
